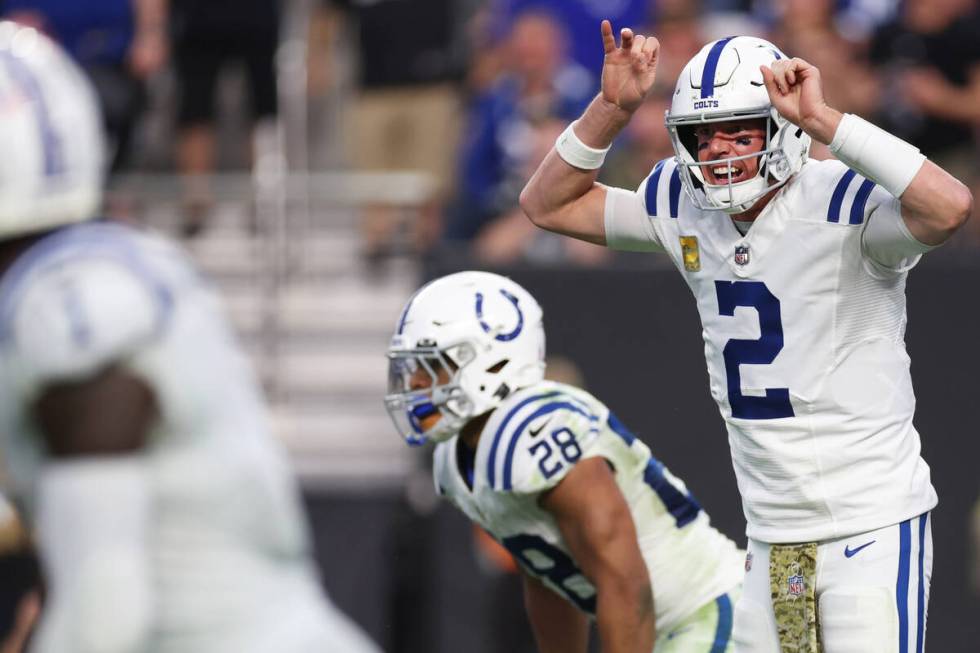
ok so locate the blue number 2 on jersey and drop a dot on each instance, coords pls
(753, 294)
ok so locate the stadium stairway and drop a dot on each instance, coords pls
(317, 336)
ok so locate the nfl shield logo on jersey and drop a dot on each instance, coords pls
(741, 254)
(796, 585)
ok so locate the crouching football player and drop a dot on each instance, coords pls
(601, 529)
(166, 517)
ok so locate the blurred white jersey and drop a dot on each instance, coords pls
(529, 445)
(231, 566)
(804, 340)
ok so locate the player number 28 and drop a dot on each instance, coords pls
(565, 442)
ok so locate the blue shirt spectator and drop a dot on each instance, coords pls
(540, 83)
(92, 32)
(581, 20)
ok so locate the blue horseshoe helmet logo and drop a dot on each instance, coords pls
(503, 337)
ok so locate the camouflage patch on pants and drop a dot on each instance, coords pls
(792, 580)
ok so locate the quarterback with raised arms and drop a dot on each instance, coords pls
(601, 529)
(798, 269)
(136, 437)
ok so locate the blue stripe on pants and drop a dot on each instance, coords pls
(723, 633)
(902, 585)
(921, 625)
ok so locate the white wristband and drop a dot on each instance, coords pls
(576, 153)
(883, 158)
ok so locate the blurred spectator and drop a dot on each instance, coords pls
(511, 238)
(407, 111)
(807, 29)
(852, 20)
(929, 58)
(119, 44)
(509, 126)
(207, 36)
(644, 142)
(679, 28)
(580, 20)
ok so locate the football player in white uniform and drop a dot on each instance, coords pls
(798, 268)
(165, 513)
(600, 528)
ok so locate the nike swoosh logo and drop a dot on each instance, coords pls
(679, 631)
(849, 552)
(534, 432)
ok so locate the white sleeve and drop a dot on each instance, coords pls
(548, 448)
(92, 529)
(628, 226)
(73, 320)
(886, 241)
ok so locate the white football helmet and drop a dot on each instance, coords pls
(723, 82)
(464, 342)
(51, 130)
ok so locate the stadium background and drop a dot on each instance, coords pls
(316, 239)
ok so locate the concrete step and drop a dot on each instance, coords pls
(344, 450)
(329, 372)
(346, 306)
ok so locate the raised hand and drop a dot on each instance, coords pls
(796, 91)
(628, 71)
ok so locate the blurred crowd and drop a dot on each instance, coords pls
(474, 92)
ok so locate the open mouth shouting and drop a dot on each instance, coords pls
(718, 175)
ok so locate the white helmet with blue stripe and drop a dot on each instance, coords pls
(51, 129)
(721, 83)
(463, 344)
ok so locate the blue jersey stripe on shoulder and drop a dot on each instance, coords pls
(653, 184)
(675, 191)
(544, 410)
(833, 212)
(710, 66)
(620, 429)
(492, 457)
(102, 240)
(860, 202)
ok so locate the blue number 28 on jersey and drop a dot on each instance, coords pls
(753, 294)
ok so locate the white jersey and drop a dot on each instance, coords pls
(529, 445)
(804, 341)
(229, 544)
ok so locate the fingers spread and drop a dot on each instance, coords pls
(637, 46)
(626, 38)
(608, 40)
(651, 48)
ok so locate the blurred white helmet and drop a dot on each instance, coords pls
(51, 130)
(721, 83)
(481, 333)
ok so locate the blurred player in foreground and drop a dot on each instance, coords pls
(601, 529)
(165, 514)
(798, 268)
